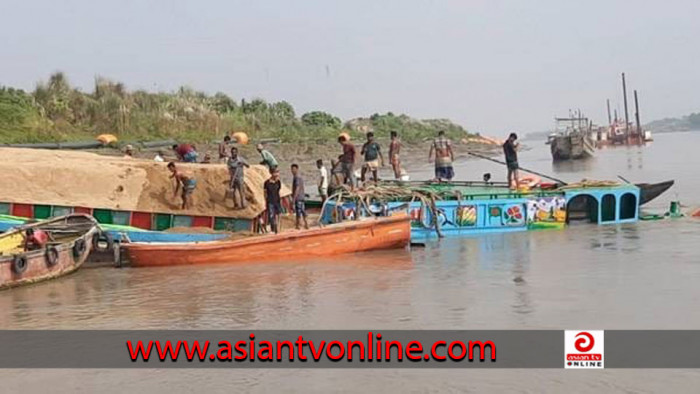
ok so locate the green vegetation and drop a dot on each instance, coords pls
(411, 130)
(56, 111)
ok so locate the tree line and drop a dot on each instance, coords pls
(57, 111)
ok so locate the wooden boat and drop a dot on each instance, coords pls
(649, 191)
(573, 146)
(471, 208)
(346, 237)
(572, 141)
(71, 243)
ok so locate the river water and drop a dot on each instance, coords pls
(636, 276)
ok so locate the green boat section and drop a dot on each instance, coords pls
(110, 227)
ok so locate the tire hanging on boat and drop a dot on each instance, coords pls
(102, 242)
(51, 256)
(78, 248)
(19, 264)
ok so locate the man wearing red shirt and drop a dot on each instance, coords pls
(347, 161)
(186, 153)
(35, 239)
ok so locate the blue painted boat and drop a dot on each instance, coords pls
(469, 208)
(123, 233)
(7, 222)
(159, 236)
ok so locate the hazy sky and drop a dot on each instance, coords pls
(492, 66)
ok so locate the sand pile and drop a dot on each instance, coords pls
(86, 179)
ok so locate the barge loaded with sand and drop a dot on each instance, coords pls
(38, 184)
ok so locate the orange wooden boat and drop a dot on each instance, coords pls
(347, 237)
(72, 238)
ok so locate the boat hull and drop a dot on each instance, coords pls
(347, 237)
(573, 146)
(37, 267)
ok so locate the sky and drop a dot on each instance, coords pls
(492, 66)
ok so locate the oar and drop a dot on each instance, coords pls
(620, 176)
(522, 168)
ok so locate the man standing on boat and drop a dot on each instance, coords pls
(273, 202)
(373, 158)
(298, 198)
(322, 181)
(394, 150)
(184, 180)
(444, 157)
(347, 161)
(511, 153)
(236, 165)
(267, 158)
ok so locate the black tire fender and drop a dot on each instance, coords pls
(51, 256)
(19, 264)
(102, 242)
(78, 248)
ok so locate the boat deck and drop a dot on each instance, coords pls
(500, 190)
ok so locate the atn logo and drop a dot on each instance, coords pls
(584, 349)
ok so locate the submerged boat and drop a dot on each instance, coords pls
(346, 237)
(470, 208)
(71, 241)
(572, 139)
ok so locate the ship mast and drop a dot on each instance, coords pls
(636, 115)
(624, 94)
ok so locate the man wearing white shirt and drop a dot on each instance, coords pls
(323, 180)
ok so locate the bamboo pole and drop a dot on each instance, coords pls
(521, 168)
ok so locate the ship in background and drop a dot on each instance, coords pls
(623, 131)
(573, 138)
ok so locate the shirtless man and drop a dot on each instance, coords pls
(184, 180)
(224, 150)
(394, 150)
(236, 167)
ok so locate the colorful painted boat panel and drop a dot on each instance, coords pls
(501, 212)
(119, 232)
